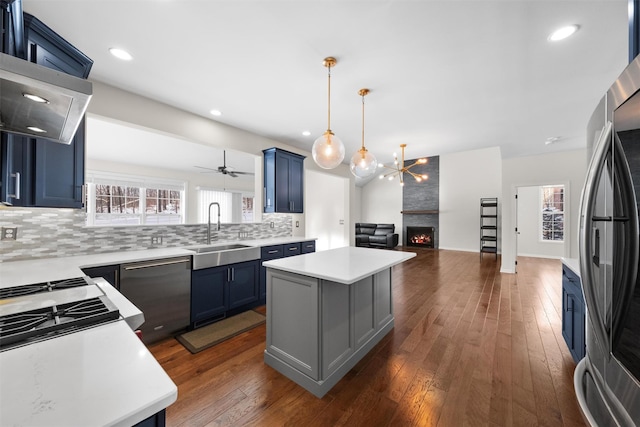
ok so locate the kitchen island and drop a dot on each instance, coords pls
(326, 310)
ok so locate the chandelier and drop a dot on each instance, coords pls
(363, 163)
(328, 149)
(399, 169)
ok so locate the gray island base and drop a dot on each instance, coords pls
(326, 311)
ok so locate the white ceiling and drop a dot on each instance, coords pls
(444, 76)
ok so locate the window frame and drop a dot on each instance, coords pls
(563, 212)
(202, 214)
(142, 183)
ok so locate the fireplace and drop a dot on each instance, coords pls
(420, 236)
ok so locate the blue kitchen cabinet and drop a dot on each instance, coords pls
(573, 313)
(208, 295)
(38, 172)
(243, 282)
(45, 47)
(220, 291)
(283, 181)
(308, 247)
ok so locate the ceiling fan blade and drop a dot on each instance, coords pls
(232, 174)
(207, 169)
(243, 173)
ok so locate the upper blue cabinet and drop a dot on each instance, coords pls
(34, 171)
(283, 181)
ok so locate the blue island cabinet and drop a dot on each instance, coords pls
(573, 313)
(283, 181)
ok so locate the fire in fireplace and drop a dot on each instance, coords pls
(420, 236)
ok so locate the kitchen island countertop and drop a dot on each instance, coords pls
(344, 265)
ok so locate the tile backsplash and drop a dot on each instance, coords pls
(45, 233)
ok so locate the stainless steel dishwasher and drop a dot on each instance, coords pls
(161, 289)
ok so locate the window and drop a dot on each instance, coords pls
(552, 213)
(235, 207)
(125, 200)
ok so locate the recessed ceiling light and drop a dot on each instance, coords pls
(306, 133)
(120, 54)
(35, 98)
(36, 129)
(563, 33)
(216, 112)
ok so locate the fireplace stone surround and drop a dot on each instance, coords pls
(421, 200)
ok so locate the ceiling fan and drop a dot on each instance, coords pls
(224, 169)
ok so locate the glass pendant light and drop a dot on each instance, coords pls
(328, 150)
(363, 164)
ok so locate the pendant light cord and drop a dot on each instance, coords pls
(329, 98)
(363, 149)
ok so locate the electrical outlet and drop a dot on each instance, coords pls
(156, 240)
(297, 224)
(9, 233)
(272, 225)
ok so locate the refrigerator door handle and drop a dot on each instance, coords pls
(596, 247)
(587, 203)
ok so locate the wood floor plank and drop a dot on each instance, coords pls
(471, 346)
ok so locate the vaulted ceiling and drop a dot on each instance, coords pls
(445, 76)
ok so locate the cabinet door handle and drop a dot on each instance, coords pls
(16, 189)
(275, 251)
(293, 249)
(231, 275)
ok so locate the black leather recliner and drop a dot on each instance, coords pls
(370, 235)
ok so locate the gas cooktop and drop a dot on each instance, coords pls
(35, 312)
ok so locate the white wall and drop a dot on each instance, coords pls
(566, 167)
(327, 210)
(529, 222)
(465, 177)
(382, 203)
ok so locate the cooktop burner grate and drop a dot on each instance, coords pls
(42, 323)
(36, 288)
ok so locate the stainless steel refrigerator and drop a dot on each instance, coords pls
(607, 380)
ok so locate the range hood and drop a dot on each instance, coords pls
(41, 102)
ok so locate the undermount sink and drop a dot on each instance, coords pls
(222, 254)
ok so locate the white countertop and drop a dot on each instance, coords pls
(573, 264)
(343, 265)
(24, 272)
(101, 376)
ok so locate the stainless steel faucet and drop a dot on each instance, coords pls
(209, 221)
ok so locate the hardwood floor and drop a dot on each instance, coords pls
(471, 346)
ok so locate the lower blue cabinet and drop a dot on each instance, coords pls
(573, 313)
(218, 290)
